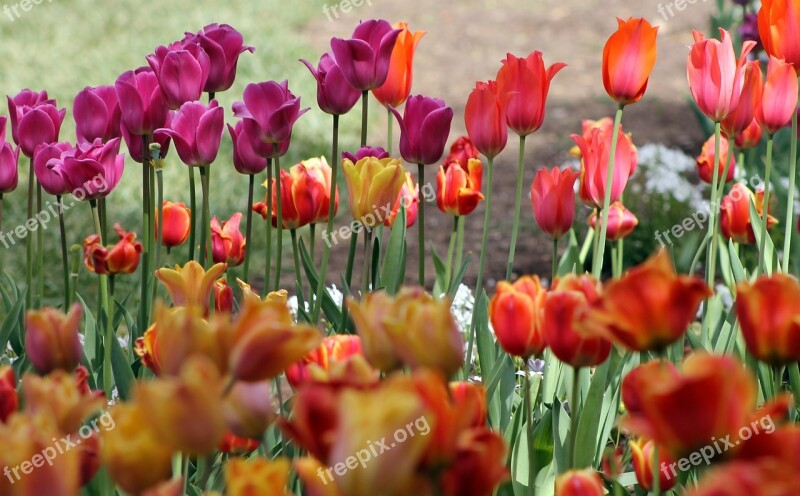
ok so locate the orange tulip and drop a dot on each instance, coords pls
(304, 196)
(779, 100)
(516, 315)
(595, 152)
(643, 457)
(584, 482)
(190, 285)
(628, 58)
(59, 396)
(257, 476)
(397, 87)
(177, 223)
(769, 315)
(553, 200)
(459, 188)
(228, 245)
(767, 476)
(409, 199)
(716, 77)
(742, 116)
(485, 119)
(779, 29)
(735, 214)
(469, 393)
(705, 161)
(523, 84)
(336, 348)
(52, 339)
(621, 221)
(9, 399)
(461, 151)
(122, 258)
(750, 137)
(649, 307)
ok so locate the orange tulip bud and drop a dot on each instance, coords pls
(643, 457)
(397, 87)
(177, 223)
(621, 221)
(52, 339)
(9, 399)
(459, 187)
(705, 161)
(257, 476)
(190, 285)
(373, 185)
(516, 312)
(228, 245)
(769, 315)
(249, 409)
(122, 258)
(628, 58)
(584, 482)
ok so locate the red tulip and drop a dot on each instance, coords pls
(335, 96)
(628, 58)
(553, 200)
(182, 69)
(122, 258)
(461, 151)
(223, 296)
(459, 187)
(140, 101)
(304, 194)
(705, 161)
(516, 312)
(394, 91)
(621, 221)
(779, 29)
(365, 58)
(584, 482)
(177, 223)
(223, 45)
(779, 100)
(97, 114)
(486, 120)
(9, 399)
(734, 219)
(271, 109)
(228, 245)
(594, 165)
(750, 137)
(424, 129)
(742, 116)
(770, 318)
(196, 130)
(523, 84)
(9, 158)
(93, 169)
(408, 198)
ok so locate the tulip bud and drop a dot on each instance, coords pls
(408, 198)
(750, 137)
(237, 445)
(177, 224)
(621, 221)
(516, 312)
(122, 258)
(52, 339)
(486, 119)
(553, 200)
(424, 128)
(643, 458)
(779, 100)
(228, 245)
(775, 339)
(395, 90)
(584, 482)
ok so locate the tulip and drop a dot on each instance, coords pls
(779, 100)
(394, 91)
(553, 200)
(461, 151)
(565, 311)
(20, 104)
(60, 396)
(182, 70)
(196, 130)
(516, 312)
(643, 458)
(408, 198)
(750, 137)
(140, 101)
(459, 187)
(223, 45)
(595, 153)
(134, 453)
(606, 125)
(369, 315)
(248, 151)
(584, 482)
(621, 221)
(335, 96)
(52, 339)
(424, 128)
(473, 396)
(716, 77)
(134, 143)
(766, 476)
(523, 84)
(271, 108)
(321, 171)
(628, 59)
(336, 348)
(779, 31)
(122, 258)
(314, 419)
(365, 58)
(223, 296)
(302, 197)
(257, 476)
(775, 340)
(38, 125)
(742, 116)
(227, 243)
(706, 160)
(90, 462)
(478, 467)
(177, 217)
(249, 409)
(97, 114)
(735, 214)
(486, 120)
(9, 175)
(93, 169)
(372, 184)
(9, 400)
(238, 445)
(190, 285)
(365, 152)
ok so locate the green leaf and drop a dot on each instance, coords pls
(572, 256)
(769, 249)
(393, 270)
(739, 272)
(456, 282)
(441, 273)
(123, 375)
(586, 435)
(560, 437)
(331, 309)
(90, 343)
(10, 323)
(376, 262)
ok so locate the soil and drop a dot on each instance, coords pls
(465, 42)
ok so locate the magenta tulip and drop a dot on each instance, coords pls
(47, 160)
(223, 45)
(272, 107)
(364, 152)
(248, 151)
(17, 105)
(424, 129)
(182, 70)
(34, 120)
(364, 59)
(93, 170)
(141, 104)
(9, 158)
(97, 114)
(335, 96)
(196, 130)
(134, 143)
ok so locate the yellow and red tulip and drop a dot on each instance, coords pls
(372, 185)
(459, 187)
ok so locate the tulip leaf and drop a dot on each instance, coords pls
(11, 323)
(123, 374)
(560, 437)
(441, 273)
(331, 309)
(393, 269)
(739, 272)
(376, 262)
(90, 345)
(587, 244)
(456, 281)
(725, 265)
(586, 436)
(769, 248)
(572, 256)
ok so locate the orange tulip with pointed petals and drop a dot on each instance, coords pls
(553, 200)
(779, 29)
(485, 119)
(628, 58)
(642, 457)
(779, 99)
(394, 91)
(459, 188)
(190, 285)
(516, 312)
(584, 482)
(621, 221)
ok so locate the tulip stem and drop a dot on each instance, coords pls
(765, 265)
(597, 266)
(312, 242)
(2, 257)
(144, 318)
(574, 399)
(193, 209)
(101, 208)
(40, 245)
(365, 274)
(517, 206)
(787, 241)
(487, 217)
(301, 302)
(364, 116)
(204, 219)
(450, 249)
(109, 333)
(526, 405)
(389, 132)
(459, 245)
(711, 272)
(620, 256)
(554, 271)
(326, 250)
(248, 229)
(351, 256)
(778, 372)
(160, 203)
(279, 213)
(64, 251)
(421, 223)
(268, 257)
(29, 243)
(655, 469)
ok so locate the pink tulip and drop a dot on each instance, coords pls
(335, 96)
(744, 113)
(134, 143)
(272, 107)
(9, 158)
(97, 114)
(47, 160)
(228, 245)
(595, 153)
(553, 200)
(779, 99)
(223, 44)
(364, 59)
(92, 169)
(140, 101)
(486, 119)
(716, 77)
(248, 150)
(424, 129)
(197, 131)
(17, 105)
(182, 70)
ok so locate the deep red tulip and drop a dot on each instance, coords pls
(553, 200)
(177, 223)
(364, 58)
(182, 70)
(424, 129)
(594, 165)
(742, 116)
(122, 258)
(47, 161)
(461, 151)
(628, 58)
(97, 114)
(196, 130)
(52, 339)
(705, 161)
(9, 399)
(17, 105)
(779, 99)
(621, 221)
(272, 108)
(228, 245)
(779, 29)
(335, 96)
(140, 101)
(223, 44)
(394, 91)
(750, 137)
(486, 119)
(9, 158)
(523, 84)
(248, 150)
(34, 120)
(93, 169)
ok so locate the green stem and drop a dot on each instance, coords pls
(654, 467)
(40, 245)
(450, 249)
(144, 318)
(29, 242)
(160, 243)
(459, 246)
(301, 304)
(249, 227)
(204, 220)
(711, 256)
(517, 206)
(554, 269)
(101, 206)
(778, 371)
(268, 256)
(279, 213)
(526, 404)
(421, 224)
(597, 266)
(312, 242)
(64, 251)
(109, 333)
(365, 274)
(765, 265)
(351, 256)
(574, 399)
(697, 255)
(364, 116)
(389, 131)
(193, 209)
(326, 249)
(787, 241)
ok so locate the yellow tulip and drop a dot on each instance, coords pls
(373, 185)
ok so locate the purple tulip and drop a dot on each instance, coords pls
(335, 96)
(47, 160)
(91, 170)
(9, 158)
(424, 128)
(36, 125)
(272, 107)
(223, 44)
(16, 105)
(364, 152)
(249, 153)
(134, 143)
(182, 70)
(364, 59)
(748, 30)
(140, 101)
(97, 114)
(196, 130)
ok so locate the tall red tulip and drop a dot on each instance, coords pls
(553, 200)
(486, 120)
(196, 130)
(365, 58)
(628, 58)
(394, 91)
(335, 96)
(779, 99)
(770, 318)
(424, 129)
(779, 29)
(140, 101)
(182, 70)
(595, 154)
(223, 44)
(228, 245)
(97, 114)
